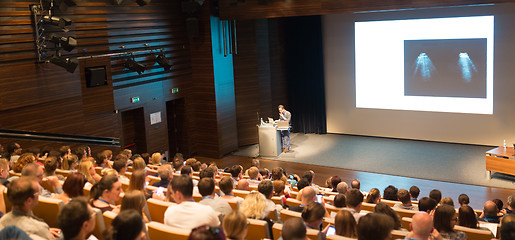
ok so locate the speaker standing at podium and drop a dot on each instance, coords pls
(285, 134)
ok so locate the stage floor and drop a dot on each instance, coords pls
(449, 162)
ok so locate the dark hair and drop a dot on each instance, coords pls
(390, 193)
(334, 182)
(448, 201)
(72, 216)
(507, 230)
(207, 173)
(264, 173)
(186, 170)
(467, 217)
(442, 218)
(11, 147)
(235, 171)
(354, 198)
(63, 150)
(226, 185)
(137, 180)
(106, 183)
(340, 200)
(499, 203)
(345, 224)
(403, 196)
(73, 186)
(293, 229)
(277, 173)
(308, 175)
(303, 182)
(266, 187)
(133, 200)
(426, 204)
(183, 184)
(463, 199)
(80, 151)
(119, 164)
(374, 226)
(20, 189)
(312, 212)
(414, 191)
(436, 195)
(386, 209)
(50, 165)
(373, 195)
(206, 232)
(206, 186)
(127, 225)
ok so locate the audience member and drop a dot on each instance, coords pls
(490, 213)
(137, 181)
(76, 219)
(50, 165)
(103, 159)
(355, 184)
(266, 187)
(340, 201)
(405, 201)
(23, 193)
(265, 173)
(511, 205)
(345, 224)
(310, 176)
(128, 225)
(427, 205)
(387, 210)
(206, 187)
(255, 207)
(294, 229)
(498, 203)
(120, 165)
(334, 183)
(235, 225)
(13, 152)
(22, 161)
(307, 196)
(4, 171)
(70, 162)
(166, 174)
(139, 164)
(375, 226)
(414, 192)
(243, 184)
(436, 195)
(313, 216)
(354, 202)
(422, 228)
(134, 200)
(206, 232)
(444, 220)
(87, 169)
(81, 152)
(254, 176)
(374, 196)
(73, 187)
(105, 193)
(35, 170)
(209, 172)
(467, 217)
(303, 182)
(226, 185)
(236, 173)
(390, 193)
(507, 231)
(463, 199)
(448, 201)
(187, 214)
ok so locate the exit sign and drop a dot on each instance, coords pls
(174, 90)
(135, 100)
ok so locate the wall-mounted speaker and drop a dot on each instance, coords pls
(96, 76)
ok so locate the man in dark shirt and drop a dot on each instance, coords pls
(165, 173)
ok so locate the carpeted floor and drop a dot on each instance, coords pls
(458, 163)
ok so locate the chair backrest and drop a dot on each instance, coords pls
(253, 188)
(338, 237)
(99, 224)
(8, 204)
(65, 173)
(157, 209)
(294, 194)
(475, 234)
(368, 206)
(331, 208)
(153, 180)
(98, 170)
(390, 202)
(108, 217)
(158, 230)
(240, 193)
(47, 209)
(404, 213)
(87, 190)
(12, 173)
(234, 205)
(277, 200)
(398, 234)
(273, 215)
(405, 222)
(197, 197)
(287, 214)
(46, 185)
(292, 202)
(276, 230)
(258, 229)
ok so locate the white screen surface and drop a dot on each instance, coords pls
(380, 63)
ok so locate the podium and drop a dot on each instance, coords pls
(269, 141)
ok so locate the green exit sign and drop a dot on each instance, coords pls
(175, 90)
(135, 99)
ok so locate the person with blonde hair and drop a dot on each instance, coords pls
(156, 159)
(139, 164)
(235, 225)
(70, 162)
(254, 206)
(87, 169)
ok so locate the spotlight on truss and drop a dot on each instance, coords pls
(163, 62)
(67, 43)
(56, 21)
(134, 66)
(65, 63)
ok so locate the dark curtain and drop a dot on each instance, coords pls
(305, 73)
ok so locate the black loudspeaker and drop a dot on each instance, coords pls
(192, 27)
(96, 76)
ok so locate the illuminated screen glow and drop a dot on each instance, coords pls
(437, 64)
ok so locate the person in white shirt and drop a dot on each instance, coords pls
(206, 187)
(187, 214)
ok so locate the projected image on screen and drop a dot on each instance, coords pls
(434, 64)
(445, 68)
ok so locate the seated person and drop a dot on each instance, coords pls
(76, 219)
(375, 226)
(165, 173)
(404, 197)
(206, 187)
(226, 185)
(266, 187)
(294, 229)
(36, 170)
(490, 213)
(307, 196)
(105, 193)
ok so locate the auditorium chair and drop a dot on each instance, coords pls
(158, 231)
(240, 193)
(332, 209)
(338, 237)
(8, 204)
(87, 190)
(234, 205)
(329, 200)
(108, 217)
(99, 224)
(253, 188)
(287, 214)
(47, 209)
(399, 234)
(46, 185)
(65, 173)
(196, 174)
(277, 200)
(257, 230)
(12, 173)
(152, 172)
(98, 170)
(277, 228)
(292, 202)
(197, 197)
(475, 234)
(153, 180)
(273, 215)
(368, 206)
(294, 194)
(157, 209)
(404, 213)
(128, 174)
(390, 202)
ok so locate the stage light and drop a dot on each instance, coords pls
(56, 21)
(65, 63)
(163, 62)
(134, 66)
(143, 2)
(67, 43)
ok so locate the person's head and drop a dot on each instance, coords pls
(253, 172)
(340, 200)
(294, 229)
(390, 193)
(507, 231)
(426, 204)
(467, 217)
(309, 175)
(243, 184)
(307, 195)
(278, 187)
(50, 164)
(254, 206)
(448, 201)
(463, 199)
(138, 164)
(511, 202)
(386, 209)
(4, 168)
(73, 186)
(313, 214)
(342, 188)
(22, 161)
(255, 163)
(266, 187)
(226, 185)
(490, 209)
(76, 218)
(354, 198)
(207, 173)
(355, 184)
(235, 171)
(436, 195)
(128, 225)
(277, 173)
(421, 225)
(498, 203)
(235, 225)
(186, 170)
(206, 232)
(206, 187)
(137, 181)
(109, 188)
(182, 188)
(86, 168)
(133, 200)
(155, 159)
(81, 151)
(281, 109)
(414, 191)
(23, 193)
(13, 148)
(120, 165)
(445, 218)
(374, 196)
(345, 224)
(69, 162)
(404, 196)
(33, 170)
(507, 218)
(265, 173)
(335, 180)
(303, 182)
(165, 172)
(375, 226)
